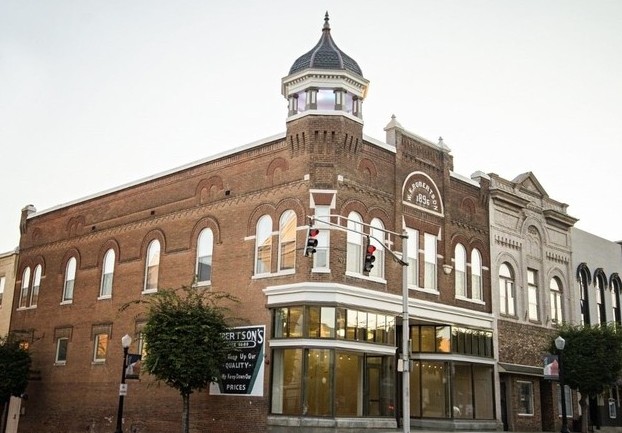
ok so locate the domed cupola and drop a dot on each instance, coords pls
(325, 80)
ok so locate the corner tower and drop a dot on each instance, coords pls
(325, 81)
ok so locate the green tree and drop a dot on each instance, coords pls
(591, 359)
(14, 367)
(185, 339)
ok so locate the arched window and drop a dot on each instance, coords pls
(600, 282)
(355, 244)
(105, 287)
(615, 298)
(555, 288)
(70, 278)
(152, 266)
(36, 282)
(584, 278)
(377, 232)
(287, 240)
(460, 270)
(205, 247)
(23, 298)
(507, 300)
(476, 275)
(263, 245)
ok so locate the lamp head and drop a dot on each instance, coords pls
(560, 343)
(126, 340)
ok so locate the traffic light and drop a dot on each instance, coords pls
(311, 241)
(369, 257)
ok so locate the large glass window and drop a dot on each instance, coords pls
(555, 288)
(445, 339)
(287, 381)
(460, 270)
(355, 243)
(23, 298)
(413, 255)
(318, 395)
(476, 276)
(429, 278)
(483, 392)
(205, 248)
(507, 302)
(463, 391)
(287, 240)
(532, 287)
(328, 382)
(152, 266)
(435, 389)
(525, 398)
(348, 384)
(321, 322)
(36, 282)
(263, 245)
(70, 278)
(314, 321)
(105, 290)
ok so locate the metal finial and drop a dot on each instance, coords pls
(326, 25)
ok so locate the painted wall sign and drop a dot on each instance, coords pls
(243, 372)
(420, 191)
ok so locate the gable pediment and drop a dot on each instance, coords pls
(527, 182)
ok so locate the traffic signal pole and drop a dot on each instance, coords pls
(403, 261)
(405, 338)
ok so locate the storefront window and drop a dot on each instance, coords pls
(330, 322)
(483, 392)
(286, 381)
(317, 401)
(348, 384)
(463, 391)
(471, 394)
(335, 383)
(434, 390)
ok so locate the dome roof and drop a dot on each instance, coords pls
(326, 55)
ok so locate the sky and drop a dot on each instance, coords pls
(97, 94)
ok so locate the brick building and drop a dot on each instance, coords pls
(532, 279)
(237, 222)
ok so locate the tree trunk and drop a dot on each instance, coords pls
(185, 413)
(585, 412)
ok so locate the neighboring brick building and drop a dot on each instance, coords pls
(237, 222)
(8, 262)
(597, 266)
(532, 285)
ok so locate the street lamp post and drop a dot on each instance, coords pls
(125, 342)
(560, 343)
